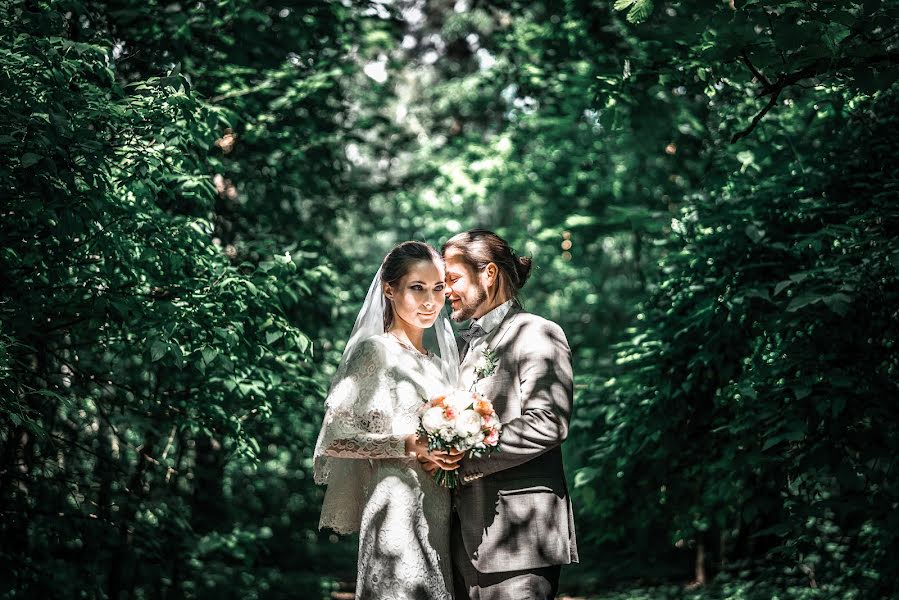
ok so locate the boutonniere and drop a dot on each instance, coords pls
(486, 365)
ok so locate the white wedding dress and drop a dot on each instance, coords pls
(402, 516)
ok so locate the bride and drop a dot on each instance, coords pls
(368, 447)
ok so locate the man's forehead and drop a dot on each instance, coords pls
(455, 266)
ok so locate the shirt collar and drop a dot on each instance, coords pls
(492, 319)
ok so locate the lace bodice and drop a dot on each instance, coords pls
(371, 409)
(373, 486)
(375, 406)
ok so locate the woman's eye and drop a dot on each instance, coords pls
(439, 288)
(417, 288)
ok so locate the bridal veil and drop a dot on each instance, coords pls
(347, 478)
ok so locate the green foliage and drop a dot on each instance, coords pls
(160, 394)
(767, 358)
(637, 10)
(749, 411)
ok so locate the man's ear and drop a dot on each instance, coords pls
(490, 271)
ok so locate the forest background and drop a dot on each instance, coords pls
(194, 196)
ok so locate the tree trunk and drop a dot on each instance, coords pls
(135, 490)
(699, 569)
(208, 508)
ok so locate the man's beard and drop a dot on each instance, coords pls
(468, 310)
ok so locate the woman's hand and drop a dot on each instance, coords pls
(448, 461)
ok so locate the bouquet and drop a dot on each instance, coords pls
(462, 421)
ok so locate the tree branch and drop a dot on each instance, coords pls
(784, 80)
(756, 72)
(755, 120)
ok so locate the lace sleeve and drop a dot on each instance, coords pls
(360, 408)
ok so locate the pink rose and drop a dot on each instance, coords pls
(492, 438)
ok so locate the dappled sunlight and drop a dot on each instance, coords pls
(196, 195)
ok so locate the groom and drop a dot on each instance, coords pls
(512, 522)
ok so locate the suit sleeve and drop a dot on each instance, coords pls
(546, 395)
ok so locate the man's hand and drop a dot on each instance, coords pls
(448, 461)
(429, 467)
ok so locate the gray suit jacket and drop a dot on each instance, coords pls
(513, 505)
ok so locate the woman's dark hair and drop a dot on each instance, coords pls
(480, 247)
(398, 262)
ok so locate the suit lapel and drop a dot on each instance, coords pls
(462, 346)
(495, 337)
(491, 340)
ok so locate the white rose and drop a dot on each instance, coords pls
(468, 423)
(474, 441)
(482, 364)
(459, 401)
(432, 419)
(447, 434)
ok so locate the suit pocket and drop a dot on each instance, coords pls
(529, 531)
(527, 506)
(527, 485)
(514, 490)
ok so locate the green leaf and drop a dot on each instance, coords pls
(801, 391)
(789, 436)
(584, 476)
(177, 355)
(802, 301)
(782, 286)
(30, 159)
(209, 354)
(838, 303)
(303, 342)
(158, 350)
(640, 11)
(755, 234)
